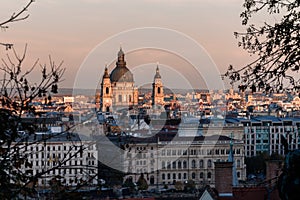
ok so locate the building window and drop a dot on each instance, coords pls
(120, 98)
(174, 165)
(193, 175)
(129, 98)
(179, 152)
(209, 175)
(158, 90)
(238, 174)
(169, 176)
(151, 180)
(209, 164)
(201, 175)
(193, 164)
(169, 165)
(238, 163)
(179, 176)
(201, 164)
(174, 176)
(173, 152)
(168, 152)
(184, 175)
(184, 165)
(163, 164)
(163, 176)
(107, 90)
(179, 164)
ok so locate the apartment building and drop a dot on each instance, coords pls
(59, 155)
(166, 159)
(263, 135)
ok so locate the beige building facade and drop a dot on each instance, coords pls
(164, 162)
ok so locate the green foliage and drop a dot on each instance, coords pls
(128, 183)
(189, 185)
(142, 183)
(178, 185)
(275, 44)
(256, 164)
(289, 180)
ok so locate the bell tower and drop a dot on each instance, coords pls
(157, 89)
(106, 92)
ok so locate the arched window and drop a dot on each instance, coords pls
(184, 175)
(179, 164)
(201, 165)
(184, 165)
(179, 176)
(151, 180)
(163, 176)
(238, 174)
(193, 164)
(158, 90)
(129, 98)
(209, 164)
(193, 175)
(174, 176)
(107, 90)
(201, 175)
(209, 175)
(120, 98)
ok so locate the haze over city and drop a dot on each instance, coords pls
(71, 30)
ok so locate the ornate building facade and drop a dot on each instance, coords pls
(157, 89)
(166, 160)
(117, 88)
(118, 92)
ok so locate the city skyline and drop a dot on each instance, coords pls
(70, 31)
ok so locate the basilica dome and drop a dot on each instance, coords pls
(121, 73)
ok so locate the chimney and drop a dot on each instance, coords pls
(223, 178)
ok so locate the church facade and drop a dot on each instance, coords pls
(118, 90)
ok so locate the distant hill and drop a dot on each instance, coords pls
(91, 92)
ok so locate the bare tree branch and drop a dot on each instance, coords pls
(14, 18)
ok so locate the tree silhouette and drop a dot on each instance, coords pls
(16, 16)
(289, 179)
(275, 46)
(17, 94)
(142, 183)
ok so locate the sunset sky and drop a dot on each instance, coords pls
(72, 30)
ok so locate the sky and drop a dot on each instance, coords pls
(192, 40)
